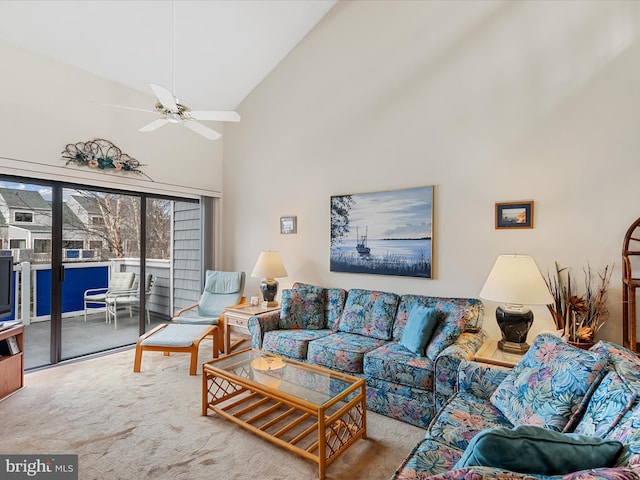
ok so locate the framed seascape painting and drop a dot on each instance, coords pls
(514, 215)
(384, 233)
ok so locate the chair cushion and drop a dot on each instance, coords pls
(393, 362)
(531, 449)
(369, 313)
(175, 336)
(291, 343)
(548, 385)
(334, 300)
(121, 280)
(419, 329)
(454, 316)
(221, 290)
(99, 297)
(463, 417)
(223, 282)
(195, 320)
(303, 307)
(608, 404)
(342, 351)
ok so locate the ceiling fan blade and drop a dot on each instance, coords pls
(221, 116)
(165, 97)
(154, 125)
(202, 130)
(129, 108)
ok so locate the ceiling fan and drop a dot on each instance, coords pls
(174, 112)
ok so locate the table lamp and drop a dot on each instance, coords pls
(515, 280)
(269, 266)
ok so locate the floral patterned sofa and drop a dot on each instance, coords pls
(360, 332)
(556, 408)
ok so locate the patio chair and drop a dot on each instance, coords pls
(98, 296)
(130, 298)
(221, 290)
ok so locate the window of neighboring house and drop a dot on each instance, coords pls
(72, 244)
(23, 217)
(95, 244)
(97, 221)
(19, 243)
(41, 245)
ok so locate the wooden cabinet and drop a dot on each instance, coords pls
(11, 366)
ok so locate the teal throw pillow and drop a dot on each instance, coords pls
(531, 449)
(419, 329)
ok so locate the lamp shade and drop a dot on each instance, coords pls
(516, 279)
(269, 265)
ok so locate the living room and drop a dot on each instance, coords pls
(487, 101)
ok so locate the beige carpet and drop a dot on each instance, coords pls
(126, 425)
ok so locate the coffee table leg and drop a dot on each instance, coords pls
(364, 411)
(205, 394)
(322, 445)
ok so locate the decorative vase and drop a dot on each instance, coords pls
(582, 345)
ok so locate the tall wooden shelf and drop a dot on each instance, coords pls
(630, 282)
(12, 366)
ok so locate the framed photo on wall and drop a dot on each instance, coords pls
(288, 225)
(514, 215)
(383, 233)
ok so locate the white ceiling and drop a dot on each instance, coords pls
(223, 48)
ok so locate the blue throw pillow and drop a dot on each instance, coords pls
(531, 449)
(420, 326)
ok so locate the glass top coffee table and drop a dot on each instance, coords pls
(310, 410)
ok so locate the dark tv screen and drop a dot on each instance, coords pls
(6, 285)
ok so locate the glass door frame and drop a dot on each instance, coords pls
(57, 267)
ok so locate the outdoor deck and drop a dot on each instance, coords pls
(80, 338)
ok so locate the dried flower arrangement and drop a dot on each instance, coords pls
(579, 315)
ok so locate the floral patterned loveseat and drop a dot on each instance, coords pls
(579, 398)
(360, 332)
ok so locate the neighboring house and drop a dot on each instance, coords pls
(25, 223)
(81, 217)
(4, 233)
(28, 218)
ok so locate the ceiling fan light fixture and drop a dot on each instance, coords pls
(173, 117)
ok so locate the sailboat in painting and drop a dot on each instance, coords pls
(361, 243)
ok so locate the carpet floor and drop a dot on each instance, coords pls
(126, 425)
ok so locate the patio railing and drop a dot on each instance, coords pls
(32, 287)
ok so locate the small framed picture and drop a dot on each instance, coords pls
(288, 225)
(514, 215)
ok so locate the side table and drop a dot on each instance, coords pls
(491, 354)
(237, 318)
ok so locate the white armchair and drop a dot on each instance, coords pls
(98, 296)
(128, 298)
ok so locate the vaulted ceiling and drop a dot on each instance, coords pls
(211, 53)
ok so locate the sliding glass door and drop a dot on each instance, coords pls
(101, 260)
(85, 280)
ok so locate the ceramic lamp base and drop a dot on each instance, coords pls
(269, 289)
(514, 326)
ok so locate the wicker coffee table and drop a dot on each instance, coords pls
(306, 409)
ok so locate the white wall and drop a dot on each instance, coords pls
(46, 105)
(488, 101)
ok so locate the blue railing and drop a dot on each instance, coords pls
(76, 281)
(32, 287)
